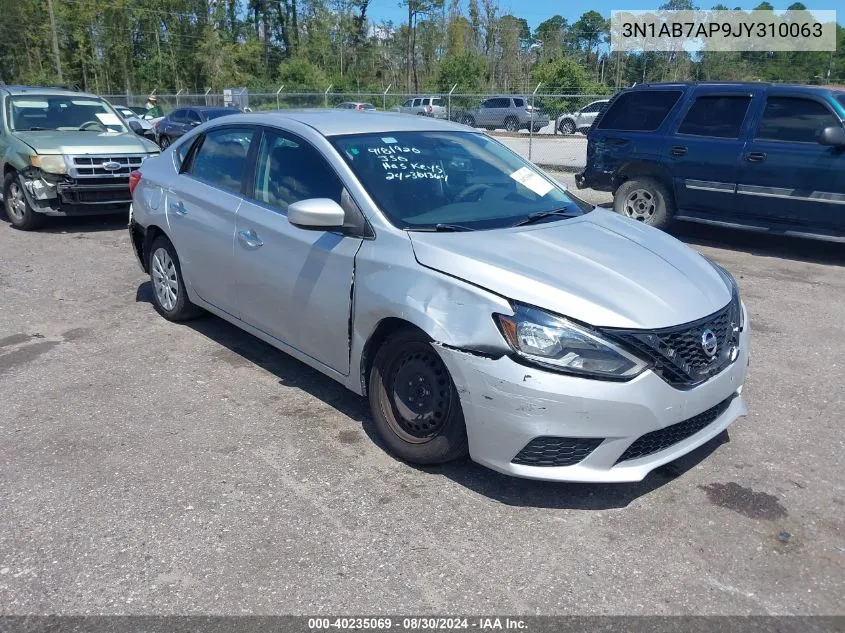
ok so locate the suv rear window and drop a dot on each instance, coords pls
(717, 115)
(639, 110)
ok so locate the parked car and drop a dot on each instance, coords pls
(425, 106)
(144, 126)
(580, 120)
(751, 155)
(64, 153)
(479, 306)
(355, 105)
(506, 112)
(182, 120)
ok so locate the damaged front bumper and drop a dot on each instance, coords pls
(522, 420)
(63, 196)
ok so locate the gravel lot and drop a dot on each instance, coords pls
(148, 467)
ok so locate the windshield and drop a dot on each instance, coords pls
(65, 113)
(422, 179)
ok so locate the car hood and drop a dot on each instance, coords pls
(57, 142)
(601, 269)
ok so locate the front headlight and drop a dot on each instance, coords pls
(557, 343)
(50, 163)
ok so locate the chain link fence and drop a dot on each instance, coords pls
(546, 128)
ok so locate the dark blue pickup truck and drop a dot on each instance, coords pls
(755, 156)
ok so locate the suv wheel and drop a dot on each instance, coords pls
(468, 120)
(645, 200)
(414, 403)
(512, 124)
(567, 126)
(18, 209)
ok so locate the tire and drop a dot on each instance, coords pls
(169, 296)
(437, 433)
(18, 210)
(512, 124)
(646, 200)
(468, 120)
(566, 127)
(164, 141)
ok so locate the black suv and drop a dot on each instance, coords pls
(744, 155)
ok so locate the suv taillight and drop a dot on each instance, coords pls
(430, 109)
(134, 179)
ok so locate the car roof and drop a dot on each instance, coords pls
(205, 108)
(42, 90)
(738, 84)
(331, 122)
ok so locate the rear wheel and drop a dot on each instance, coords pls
(512, 124)
(645, 200)
(414, 403)
(18, 210)
(169, 295)
(566, 127)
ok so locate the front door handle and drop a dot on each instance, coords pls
(250, 239)
(755, 157)
(178, 208)
(679, 150)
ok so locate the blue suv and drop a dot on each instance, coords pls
(754, 156)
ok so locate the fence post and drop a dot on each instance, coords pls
(326, 95)
(449, 103)
(531, 122)
(384, 97)
(278, 105)
(177, 96)
(206, 96)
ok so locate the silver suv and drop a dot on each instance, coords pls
(424, 106)
(512, 113)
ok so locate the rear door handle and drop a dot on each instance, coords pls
(250, 239)
(755, 157)
(679, 150)
(178, 208)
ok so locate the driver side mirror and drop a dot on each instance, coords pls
(316, 214)
(833, 135)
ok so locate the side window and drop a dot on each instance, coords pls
(181, 151)
(639, 110)
(519, 103)
(720, 116)
(221, 159)
(178, 116)
(487, 104)
(288, 170)
(794, 119)
(426, 101)
(417, 102)
(408, 103)
(437, 102)
(503, 102)
(192, 116)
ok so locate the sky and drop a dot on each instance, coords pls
(536, 11)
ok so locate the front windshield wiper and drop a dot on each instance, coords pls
(33, 129)
(441, 228)
(539, 215)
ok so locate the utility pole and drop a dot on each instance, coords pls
(55, 40)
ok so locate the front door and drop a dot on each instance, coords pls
(201, 206)
(294, 284)
(705, 151)
(787, 176)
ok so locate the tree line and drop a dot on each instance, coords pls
(116, 46)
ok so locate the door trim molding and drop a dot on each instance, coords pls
(800, 195)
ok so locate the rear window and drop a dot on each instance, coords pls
(640, 110)
(437, 102)
(719, 116)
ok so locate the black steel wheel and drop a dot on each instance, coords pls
(415, 405)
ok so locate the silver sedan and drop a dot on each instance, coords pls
(480, 307)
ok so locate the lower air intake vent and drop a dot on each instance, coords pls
(556, 451)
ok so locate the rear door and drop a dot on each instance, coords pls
(294, 284)
(705, 152)
(787, 176)
(201, 207)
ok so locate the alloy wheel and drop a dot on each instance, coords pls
(17, 203)
(640, 205)
(165, 280)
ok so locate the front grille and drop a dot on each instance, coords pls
(556, 451)
(678, 353)
(92, 166)
(656, 441)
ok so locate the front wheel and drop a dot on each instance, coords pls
(566, 127)
(645, 200)
(18, 210)
(414, 403)
(468, 120)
